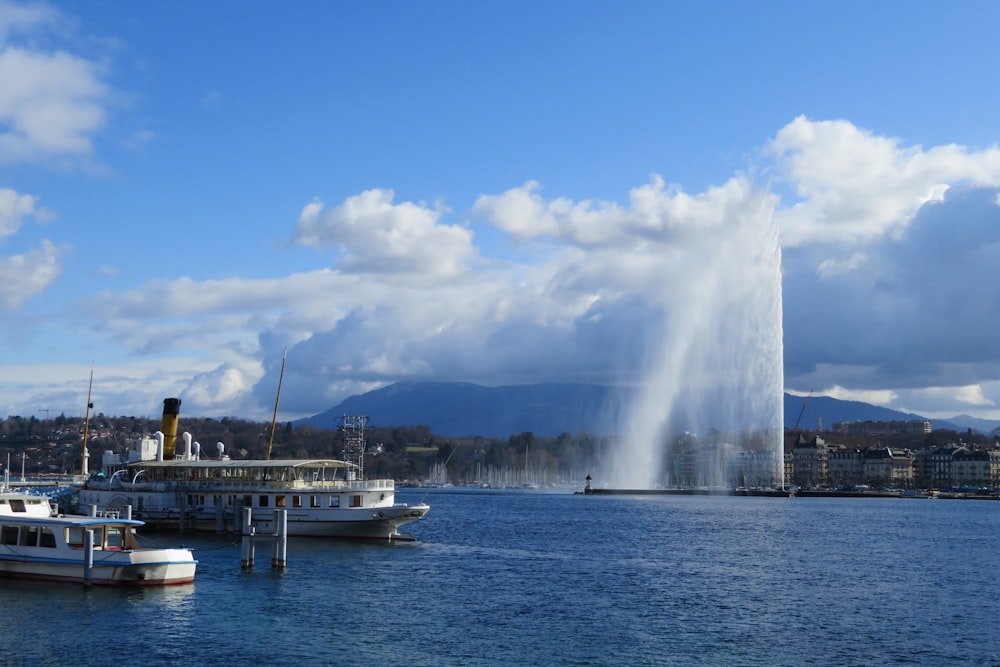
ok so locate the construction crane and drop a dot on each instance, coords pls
(802, 409)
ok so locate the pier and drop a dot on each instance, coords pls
(278, 541)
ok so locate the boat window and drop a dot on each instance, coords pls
(262, 501)
(17, 505)
(46, 538)
(279, 501)
(8, 535)
(116, 537)
(29, 536)
(313, 501)
(334, 501)
(356, 500)
(74, 536)
(296, 501)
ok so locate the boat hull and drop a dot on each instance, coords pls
(310, 511)
(106, 574)
(373, 524)
(361, 524)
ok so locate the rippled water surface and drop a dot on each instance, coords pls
(534, 578)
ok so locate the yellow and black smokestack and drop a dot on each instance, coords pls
(171, 412)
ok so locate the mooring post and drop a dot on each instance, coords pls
(246, 551)
(279, 547)
(88, 557)
(220, 519)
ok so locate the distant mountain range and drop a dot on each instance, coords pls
(461, 409)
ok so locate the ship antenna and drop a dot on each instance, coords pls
(274, 418)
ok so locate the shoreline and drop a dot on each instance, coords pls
(796, 493)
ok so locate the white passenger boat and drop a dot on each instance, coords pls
(37, 544)
(322, 497)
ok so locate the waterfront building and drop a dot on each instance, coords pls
(975, 468)
(922, 469)
(888, 467)
(846, 466)
(810, 462)
(939, 466)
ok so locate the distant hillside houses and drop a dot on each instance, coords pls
(921, 426)
(814, 463)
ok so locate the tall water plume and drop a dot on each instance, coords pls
(709, 409)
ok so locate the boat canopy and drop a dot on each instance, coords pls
(214, 464)
(69, 520)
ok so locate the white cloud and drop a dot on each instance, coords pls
(51, 103)
(829, 268)
(557, 314)
(27, 274)
(878, 284)
(654, 210)
(223, 390)
(970, 395)
(875, 397)
(14, 209)
(854, 186)
(17, 18)
(378, 236)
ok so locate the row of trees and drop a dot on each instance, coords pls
(404, 452)
(411, 453)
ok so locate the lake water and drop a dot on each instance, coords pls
(534, 578)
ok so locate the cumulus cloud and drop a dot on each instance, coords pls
(968, 395)
(378, 236)
(654, 209)
(889, 258)
(853, 185)
(223, 390)
(27, 274)
(890, 265)
(15, 208)
(873, 396)
(50, 105)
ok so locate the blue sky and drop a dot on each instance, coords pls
(413, 190)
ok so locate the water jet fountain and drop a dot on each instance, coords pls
(708, 415)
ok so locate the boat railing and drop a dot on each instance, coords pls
(244, 485)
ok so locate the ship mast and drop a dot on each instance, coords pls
(274, 418)
(84, 468)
